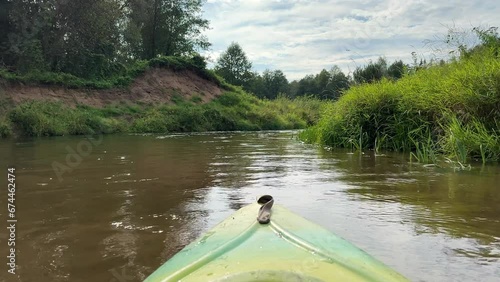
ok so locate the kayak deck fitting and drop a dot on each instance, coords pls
(278, 246)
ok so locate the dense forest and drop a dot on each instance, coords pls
(97, 38)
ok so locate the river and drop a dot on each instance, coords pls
(114, 208)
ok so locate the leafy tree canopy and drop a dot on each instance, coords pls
(234, 66)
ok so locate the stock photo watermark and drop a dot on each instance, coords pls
(75, 156)
(122, 275)
(11, 220)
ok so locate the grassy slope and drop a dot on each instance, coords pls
(452, 109)
(231, 111)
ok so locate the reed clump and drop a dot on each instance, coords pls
(450, 109)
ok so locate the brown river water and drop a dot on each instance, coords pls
(116, 208)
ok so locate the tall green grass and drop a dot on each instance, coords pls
(5, 128)
(471, 139)
(451, 109)
(37, 118)
(230, 111)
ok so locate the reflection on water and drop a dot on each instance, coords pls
(138, 199)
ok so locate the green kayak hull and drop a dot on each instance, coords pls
(289, 248)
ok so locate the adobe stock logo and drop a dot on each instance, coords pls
(121, 275)
(75, 156)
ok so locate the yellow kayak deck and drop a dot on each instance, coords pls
(289, 248)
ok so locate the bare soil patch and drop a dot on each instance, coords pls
(154, 86)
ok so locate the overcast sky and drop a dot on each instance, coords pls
(304, 36)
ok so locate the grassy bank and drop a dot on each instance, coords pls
(451, 109)
(120, 77)
(231, 111)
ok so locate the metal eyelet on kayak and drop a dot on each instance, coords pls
(264, 216)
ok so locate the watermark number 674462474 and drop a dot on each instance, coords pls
(11, 220)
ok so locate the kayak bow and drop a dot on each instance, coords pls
(285, 248)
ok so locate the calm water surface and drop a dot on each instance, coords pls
(135, 200)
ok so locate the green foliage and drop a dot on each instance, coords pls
(449, 108)
(198, 61)
(5, 128)
(371, 72)
(230, 111)
(337, 84)
(6, 28)
(98, 40)
(165, 27)
(326, 85)
(396, 70)
(471, 139)
(234, 66)
(196, 99)
(307, 86)
(425, 151)
(152, 121)
(374, 72)
(124, 78)
(229, 99)
(82, 39)
(31, 57)
(36, 118)
(268, 85)
(177, 99)
(193, 63)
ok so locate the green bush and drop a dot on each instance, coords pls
(36, 118)
(40, 119)
(152, 121)
(5, 128)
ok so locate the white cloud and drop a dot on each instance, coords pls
(302, 37)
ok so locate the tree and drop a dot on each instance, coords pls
(234, 66)
(307, 86)
(275, 83)
(338, 83)
(322, 79)
(165, 27)
(268, 85)
(79, 37)
(371, 72)
(293, 89)
(255, 85)
(6, 29)
(24, 40)
(324, 85)
(92, 37)
(396, 70)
